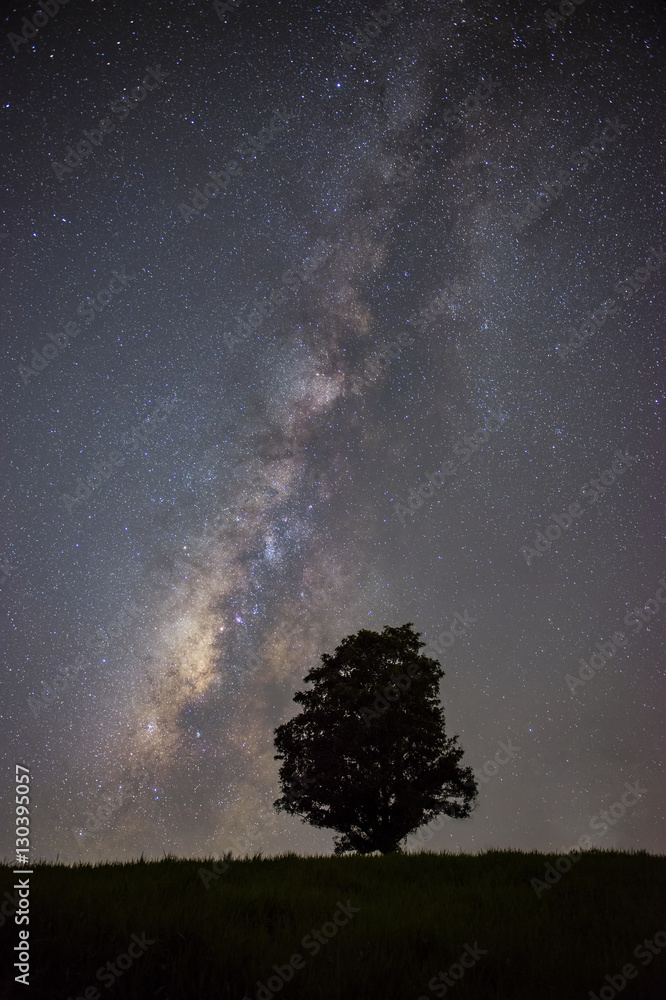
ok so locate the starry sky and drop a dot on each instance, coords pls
(265, 272)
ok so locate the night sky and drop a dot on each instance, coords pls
(297, 342)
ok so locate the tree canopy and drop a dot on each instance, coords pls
(368, 756)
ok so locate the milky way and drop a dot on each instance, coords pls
(259, 328)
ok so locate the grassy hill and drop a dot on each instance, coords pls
(346, 928)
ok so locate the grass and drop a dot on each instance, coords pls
(415, 915)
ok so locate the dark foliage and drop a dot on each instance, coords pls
(373, 774)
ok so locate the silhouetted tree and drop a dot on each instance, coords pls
(368, 756)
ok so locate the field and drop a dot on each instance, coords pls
(346, 928)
